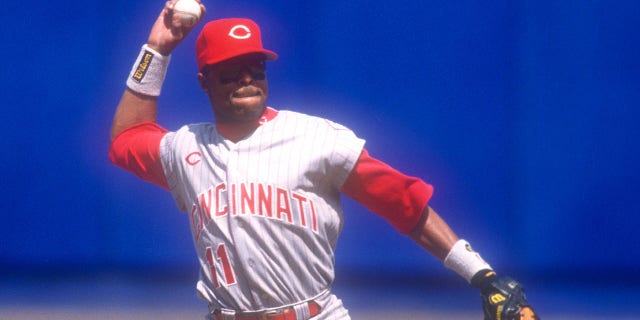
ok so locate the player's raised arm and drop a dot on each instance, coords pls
(139, 101)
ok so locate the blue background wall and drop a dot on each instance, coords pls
(522, 114)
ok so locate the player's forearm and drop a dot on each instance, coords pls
(133, 108)
(144, 84)
(434, 234)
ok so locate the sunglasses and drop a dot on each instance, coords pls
(231, 73)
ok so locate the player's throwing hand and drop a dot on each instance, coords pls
(169, 31)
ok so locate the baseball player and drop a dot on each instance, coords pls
(261, 186)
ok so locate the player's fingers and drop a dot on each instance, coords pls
(165, 15)
(169, 7)
(167, 32)
(203, 9)
(528, 314)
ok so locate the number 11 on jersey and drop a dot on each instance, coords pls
(220, 258)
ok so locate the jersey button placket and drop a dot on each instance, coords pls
(232, 180)
(255, 292)
(237, 224)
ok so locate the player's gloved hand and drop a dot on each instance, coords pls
(502, 298)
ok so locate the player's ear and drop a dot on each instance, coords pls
(203, 83)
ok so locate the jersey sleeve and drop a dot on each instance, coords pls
(137, 150)
(398, 198)
(345, 148)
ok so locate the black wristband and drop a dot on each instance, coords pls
(482, 278)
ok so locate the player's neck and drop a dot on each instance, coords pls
(236, 131)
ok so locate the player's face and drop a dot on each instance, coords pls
(237, 88)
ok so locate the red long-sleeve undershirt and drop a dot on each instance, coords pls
(398, 198)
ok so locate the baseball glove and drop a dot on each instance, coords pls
(503, 299)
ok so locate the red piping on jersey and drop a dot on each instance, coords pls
(236, 131)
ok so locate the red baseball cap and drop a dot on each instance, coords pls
(224, 39)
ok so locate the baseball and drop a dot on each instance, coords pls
(188, 11)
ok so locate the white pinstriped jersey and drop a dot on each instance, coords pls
(264, 211)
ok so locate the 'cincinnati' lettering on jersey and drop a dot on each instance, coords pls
(254, 199)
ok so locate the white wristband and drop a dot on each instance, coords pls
(464, 261)
(147, 74)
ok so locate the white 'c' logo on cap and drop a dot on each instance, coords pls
(244, 32)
